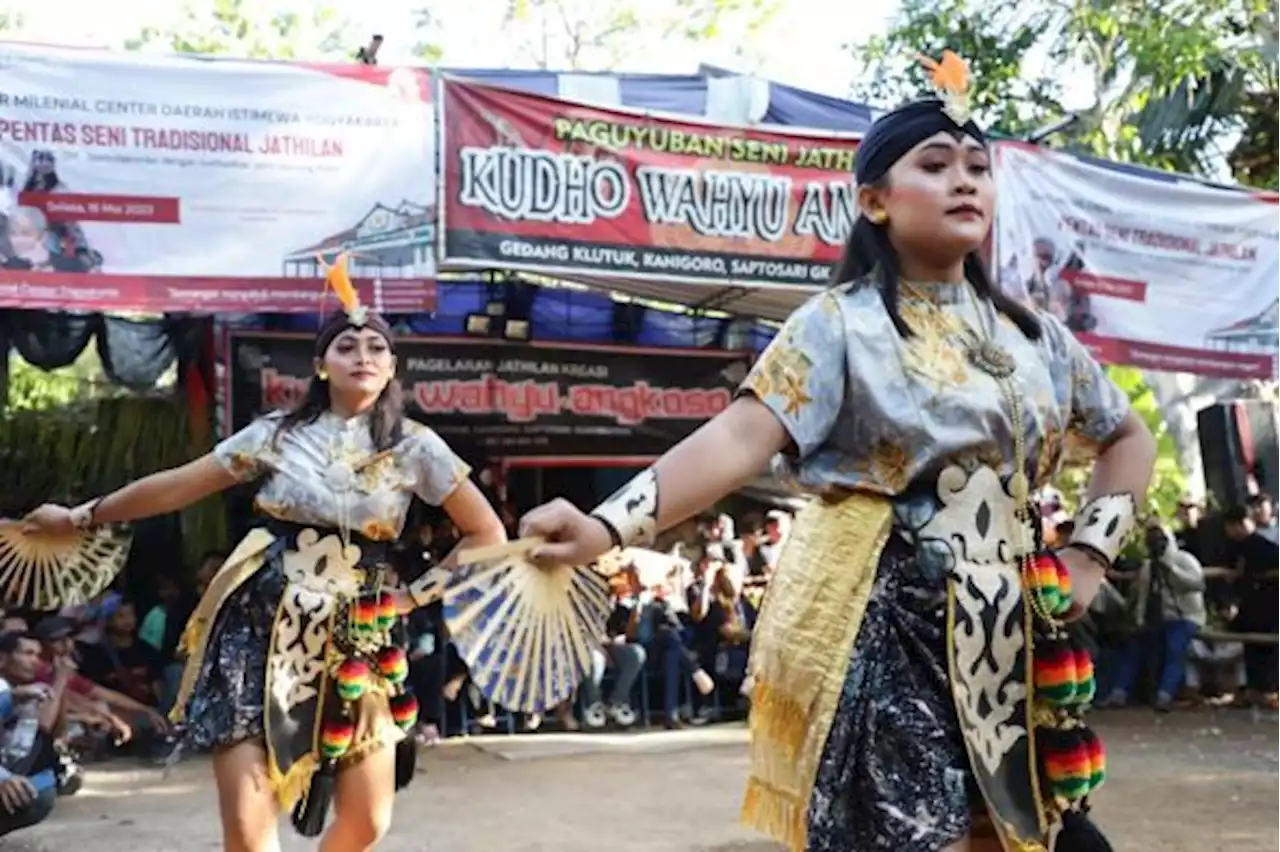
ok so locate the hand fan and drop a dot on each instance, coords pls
(525, 632)
(43, 572)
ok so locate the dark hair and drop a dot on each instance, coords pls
(1235, 515)
(1259, 498)
(386, 418)
(9, 641)
(870, 253)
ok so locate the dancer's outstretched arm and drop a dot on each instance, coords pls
(157, 494)
(719, 458)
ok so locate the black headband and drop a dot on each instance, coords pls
(895, 133)
(339, 322)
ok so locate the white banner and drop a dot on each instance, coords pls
(183, 183)
(1160, 274)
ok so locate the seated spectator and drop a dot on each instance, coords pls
(155, 624)
(13, 623)
(1215, 670)
(627, 659)
(99, 705)
(88, 619)
(30, 713)
(123, 662)
(652, 624)
(209, 566)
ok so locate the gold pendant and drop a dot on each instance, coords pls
(991, 358)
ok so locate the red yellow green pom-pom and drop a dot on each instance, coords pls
(336, 737)
(1067, 761)
(1054, 666)
(1097, 758)
(386, 612)
(364, 615)
(393, 664)
(352, 679)
(1085, 683)
(1048, 579)
(404, 710)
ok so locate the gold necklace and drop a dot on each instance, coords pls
(987, 355)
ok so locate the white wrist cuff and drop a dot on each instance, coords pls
(1104, 525)
(632, 512)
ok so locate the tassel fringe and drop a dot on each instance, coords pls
(775, 814)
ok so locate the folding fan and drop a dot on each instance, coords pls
(525, 632)
(42, 572)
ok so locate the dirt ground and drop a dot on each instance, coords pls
(1189, 782)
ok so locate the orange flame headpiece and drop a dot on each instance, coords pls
(950, 78)
(339, 280)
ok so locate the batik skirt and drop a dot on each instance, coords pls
(232, 696)
(894, 774)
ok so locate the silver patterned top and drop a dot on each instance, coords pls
(328, 474)
(868, 410)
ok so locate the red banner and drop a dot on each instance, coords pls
(544, 185)
(79, 291)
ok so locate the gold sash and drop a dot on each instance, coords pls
(800, 654)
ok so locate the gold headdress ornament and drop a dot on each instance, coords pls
(950, 78)
(337, 277)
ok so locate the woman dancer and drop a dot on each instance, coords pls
(897, 704)
(291, 677)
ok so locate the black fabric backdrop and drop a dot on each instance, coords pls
(134, 353)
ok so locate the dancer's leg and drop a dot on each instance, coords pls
(362, 806)
(246, 803)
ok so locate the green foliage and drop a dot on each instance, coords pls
(426, 28)
(1168, 81)
(93, 446)
(994, 38)
(249, 29)
(33, 389)
(601, 34)
(1168, 482)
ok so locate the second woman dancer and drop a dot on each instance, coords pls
(916, 688)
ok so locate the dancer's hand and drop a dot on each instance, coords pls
(572, 537)
(50, 519)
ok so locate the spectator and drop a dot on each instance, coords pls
(88, 619)
(1257, 579)
(1190, 535)
(156, 623)
(30, 713)
(1182, 605)
(652, 624)
(14, 624)
(1263, 513)
(100, 705)
(777, 524)
(210, 564)
(121, 661)
(627, 658)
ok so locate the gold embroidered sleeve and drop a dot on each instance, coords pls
(436, 470)
(247, 454)
(800, 377)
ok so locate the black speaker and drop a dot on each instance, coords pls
(1239, 452)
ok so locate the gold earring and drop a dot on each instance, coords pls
(322, 374)
(879, 217)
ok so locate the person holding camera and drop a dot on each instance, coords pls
(1170, 592)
